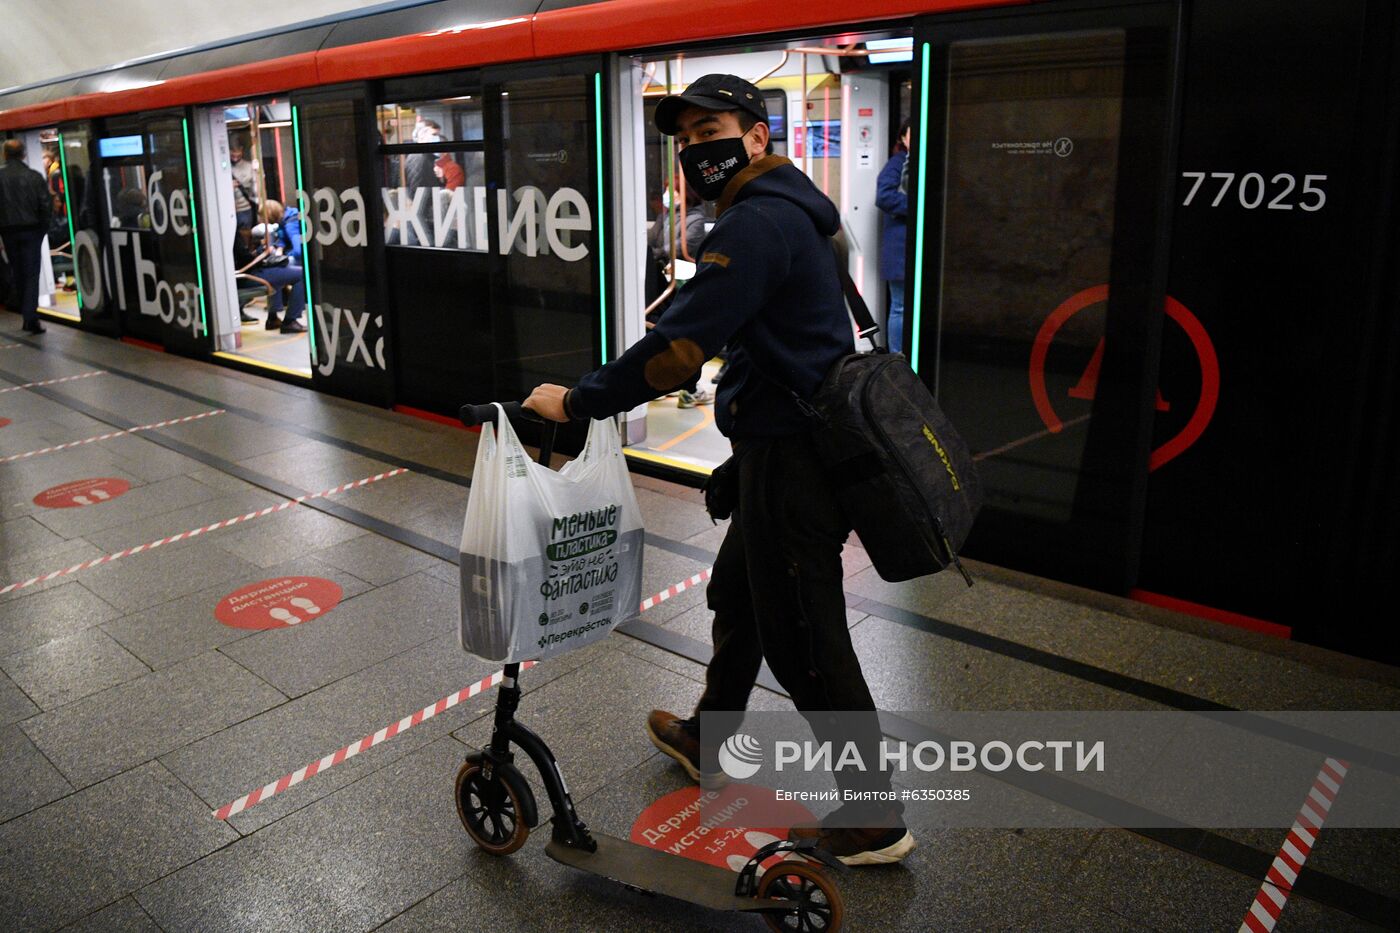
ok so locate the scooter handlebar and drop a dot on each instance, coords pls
(475, 415)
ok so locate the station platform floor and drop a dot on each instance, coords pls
(130, 713)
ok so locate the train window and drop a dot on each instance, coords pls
(434, 171)
(126, 196)
(453, 119)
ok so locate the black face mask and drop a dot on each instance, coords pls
(708, 166)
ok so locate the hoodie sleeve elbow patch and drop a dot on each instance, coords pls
(680, 360)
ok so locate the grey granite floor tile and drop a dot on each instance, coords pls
(448, 573)
(30, 780)
(376, 559)
(1367, 857)
(1054, 625)
(1016, 685)
(24, 535)
(14, 704)
(313, 465)
(358, 633)
(908, 669)
(141, 502)
(286, 535)
(232, 762)
(672, 517)
(125, 916)
(348, 862)
(232, 437)
(157, 527)
(68, 669)
(37, 616)
(109, 732)
(442, 523)
(402, 497)
(141, 455)
(1143, 881)
(1248, 679)
(182, 628)
(20, 568)
(158, 576)
(65, 860)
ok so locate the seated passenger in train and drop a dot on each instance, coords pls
(278, 264)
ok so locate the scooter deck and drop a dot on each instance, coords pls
(654, 870)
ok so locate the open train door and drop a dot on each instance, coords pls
(1042, 146)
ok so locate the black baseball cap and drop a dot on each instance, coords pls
(711, 92)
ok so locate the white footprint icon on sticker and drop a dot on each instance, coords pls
(101, 495)
(305, 605)
(82, 500)
(282, 615)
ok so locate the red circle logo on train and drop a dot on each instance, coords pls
(280, 602)
(82, 492)
(1176, 312)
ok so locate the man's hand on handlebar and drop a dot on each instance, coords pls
(547, 401)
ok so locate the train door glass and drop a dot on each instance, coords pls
(1040, 149)
(431, 165)
(156, 261)
(348, 327)
(267, 254)
(829, 110)
(86, 215)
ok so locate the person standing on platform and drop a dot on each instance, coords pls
(892, 197)
(25, 207)
(767, 285)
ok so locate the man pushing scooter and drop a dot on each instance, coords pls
(767, 286)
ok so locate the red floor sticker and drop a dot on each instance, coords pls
(709, 826)
(278, 603)
(4, 422)
(82, 492)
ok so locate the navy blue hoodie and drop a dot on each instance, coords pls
(766, 284)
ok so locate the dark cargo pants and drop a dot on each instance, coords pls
(777, 595)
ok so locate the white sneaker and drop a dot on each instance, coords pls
(691, 399)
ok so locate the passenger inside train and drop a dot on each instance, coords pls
(266, 258)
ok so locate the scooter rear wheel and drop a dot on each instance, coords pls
(820, 907)
(491, 810)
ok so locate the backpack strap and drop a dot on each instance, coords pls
(865, 322)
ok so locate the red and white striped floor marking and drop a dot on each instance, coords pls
(364, 744)
(53, 382)
(677, 589)
(1297, 845)
(104, 437)
(108, 558)
(408, 722)
(10, 346)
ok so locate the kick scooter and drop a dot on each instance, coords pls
(498, 809)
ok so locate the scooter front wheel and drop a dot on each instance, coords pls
(492, 810)
(820, 907)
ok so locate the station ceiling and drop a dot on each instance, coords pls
(43, 40)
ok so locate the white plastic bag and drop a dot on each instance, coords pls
(550, 561)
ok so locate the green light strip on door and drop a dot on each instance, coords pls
(68, 210)
(602, 239)
(194, 225)
(305, 247)
(917, 304)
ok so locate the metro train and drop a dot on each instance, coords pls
(1150, 267)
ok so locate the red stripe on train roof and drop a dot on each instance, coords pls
(616, 25)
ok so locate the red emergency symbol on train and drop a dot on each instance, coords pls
(717, 827)
(81, 492)
(278, 603)
(1088, 382)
